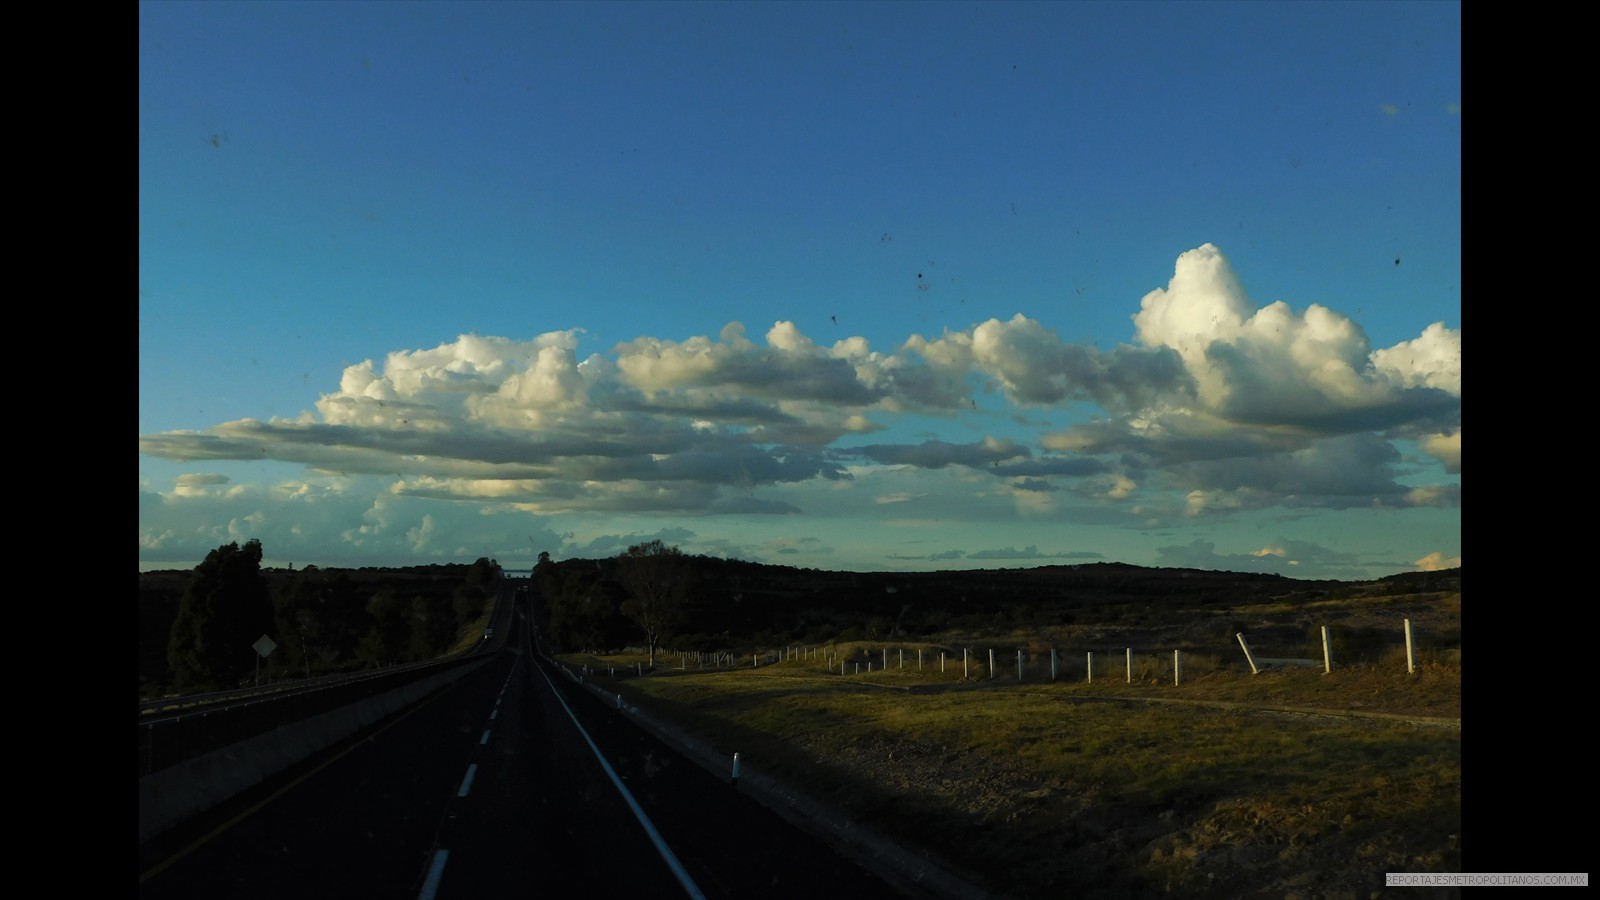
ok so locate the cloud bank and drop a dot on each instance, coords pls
(1217, 406)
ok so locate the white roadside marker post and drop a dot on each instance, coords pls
(1411, 661)
(1247, 657)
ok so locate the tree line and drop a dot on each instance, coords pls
(644, 593)
(655, 596)
(198, 636)
(322, 621)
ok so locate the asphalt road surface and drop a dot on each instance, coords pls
(511, 782)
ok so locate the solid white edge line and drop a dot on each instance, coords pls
(430, 885)
(671, 858)
(466, 783)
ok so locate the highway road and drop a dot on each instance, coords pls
(512, 781)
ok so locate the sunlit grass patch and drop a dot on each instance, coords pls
(1087, 787)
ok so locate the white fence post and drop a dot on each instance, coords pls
(964, 668)
(1089, 662)
(1019, 665)
(1327, 652)
(1177, 666)
(1129, 651)
(991, 662)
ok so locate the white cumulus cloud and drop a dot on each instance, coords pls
(1217, 406)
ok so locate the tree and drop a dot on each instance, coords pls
(433, 626)
(225, 609)
(484, 574)
(546, 585)
(295, 611)
(321, 618)
(472, 596)
(390, 634)
(578, 606)
(656, 578)
(158, 610)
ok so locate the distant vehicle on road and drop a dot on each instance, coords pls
(488, 633)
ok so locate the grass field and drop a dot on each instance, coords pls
(1289, 783)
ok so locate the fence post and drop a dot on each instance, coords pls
(1129, 651)
(964, 668)
(1089, 663)
(1327, 652)
(991, 662)
(1052, 664)
(1247, 657)
(1411, 662)
(1177, 666)
(1019, 665)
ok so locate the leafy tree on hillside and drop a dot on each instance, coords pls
(389, 637)
(295, 613)
(468, 603)
(484, 574)
(473, 595)
(579, 602)
(322, 619)
(546, 583)
(158, 610)
(657, 580)
(225, 609)
(433, 626)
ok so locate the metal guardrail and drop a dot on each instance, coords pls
(181, 729)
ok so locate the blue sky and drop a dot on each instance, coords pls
(848, 286)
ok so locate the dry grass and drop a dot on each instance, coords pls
(1214, 787)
